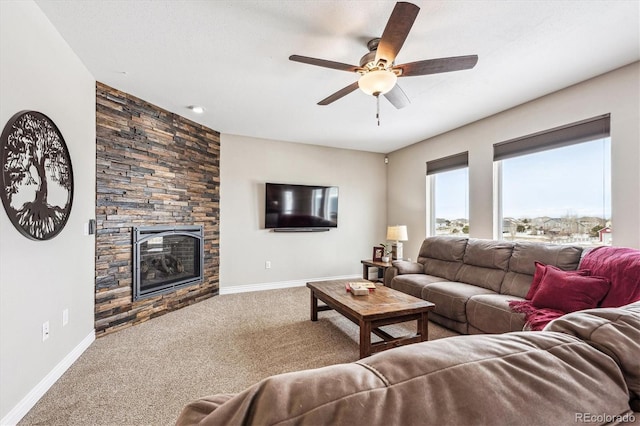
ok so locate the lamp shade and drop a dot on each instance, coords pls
(397, 233)
(377, 82)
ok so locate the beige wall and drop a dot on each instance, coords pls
(39, 279)
(617, 92)
(247, 163)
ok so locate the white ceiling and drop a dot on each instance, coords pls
(231, 57)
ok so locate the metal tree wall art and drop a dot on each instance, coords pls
(37, 178)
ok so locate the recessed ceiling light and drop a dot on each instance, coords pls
(197, 109)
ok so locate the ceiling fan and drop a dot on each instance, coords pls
(378, 72)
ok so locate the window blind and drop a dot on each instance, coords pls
(581, 131)
(445, 164)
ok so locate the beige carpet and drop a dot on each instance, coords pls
(145, 374)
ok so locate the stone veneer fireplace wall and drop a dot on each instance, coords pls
(153, 167)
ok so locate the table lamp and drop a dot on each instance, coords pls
(397, 233)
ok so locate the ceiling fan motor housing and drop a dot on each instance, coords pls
(368, 61)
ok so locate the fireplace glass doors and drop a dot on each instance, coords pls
(166, 258)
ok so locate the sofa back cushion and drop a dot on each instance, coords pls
(522, 264)
(442, 256)
(526, 254)
(485, 263)
(515, 284)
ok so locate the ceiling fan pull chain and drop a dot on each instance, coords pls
(378, 108)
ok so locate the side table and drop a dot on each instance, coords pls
(382, 268)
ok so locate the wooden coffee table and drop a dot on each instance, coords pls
(381, 307)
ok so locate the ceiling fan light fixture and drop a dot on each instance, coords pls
(377, 82)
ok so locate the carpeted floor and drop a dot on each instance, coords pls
(145, 374)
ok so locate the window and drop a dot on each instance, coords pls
(448, 183)
(555, 186)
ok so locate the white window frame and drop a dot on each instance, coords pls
(498, 223)
(431, 203)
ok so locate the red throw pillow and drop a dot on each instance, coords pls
(569, 292)
(541, 268)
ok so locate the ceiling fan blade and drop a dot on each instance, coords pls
(324, 63)
(397, 97)
(396, 31)
(435, 66)
(340, 93)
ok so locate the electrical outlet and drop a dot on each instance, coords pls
(267, 264)
(45, 331)
(65, 317)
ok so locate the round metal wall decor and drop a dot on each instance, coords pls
(36, 175)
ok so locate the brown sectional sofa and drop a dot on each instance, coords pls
(471, 281)
(582, 368)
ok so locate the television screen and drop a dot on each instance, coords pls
(300, 206)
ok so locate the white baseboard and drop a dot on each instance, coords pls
(280, 284)
(27, 403)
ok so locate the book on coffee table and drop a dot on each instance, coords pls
(360, 288)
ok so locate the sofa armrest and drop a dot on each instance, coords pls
(405, 267)
(401, 267)
(389, 275)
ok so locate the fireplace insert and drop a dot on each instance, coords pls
(166, 258)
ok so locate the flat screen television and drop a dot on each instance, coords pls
(300, 207)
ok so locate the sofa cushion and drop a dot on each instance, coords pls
(450, 249)
(526, 254)
(485, 263)
(488, 253)
(442, 268)
(516, 284)
(413, 283)
(451, 298)
(490, 313)
(614, 331)
(569, 292)
(442, 256)
(483, 277)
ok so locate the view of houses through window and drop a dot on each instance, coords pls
(552, 186)
(450, 202)
(561, 196)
